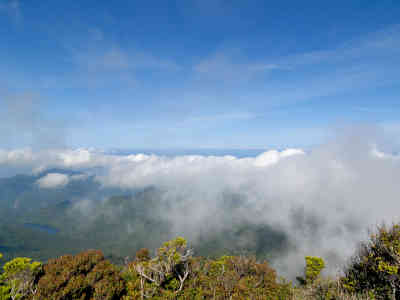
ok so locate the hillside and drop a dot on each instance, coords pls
(43, 223)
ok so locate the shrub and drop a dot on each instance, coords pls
(18, 279)
(312, 270)
(376, 265)
(165, 273)
(175, 274)
(84, 276)
(4, 288)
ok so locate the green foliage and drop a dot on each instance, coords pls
(376, 266)
(4, 288)
(314, 266)
(175, 274)
(327, 289)
(18, 265)
(235, 277)
(5, 292)
(166, 272)
(312, 270)
(18, 278)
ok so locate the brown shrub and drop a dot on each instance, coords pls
(85, 276)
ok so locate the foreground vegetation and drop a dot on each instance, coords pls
(174, 273)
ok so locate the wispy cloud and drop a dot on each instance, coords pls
(365, 62)
(368, 109)
(374, 45)
(98, 60)
(221, 117)
(113, 57)
(225, 66)
(23, 121)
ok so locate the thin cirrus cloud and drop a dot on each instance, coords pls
(223, 66)
(115, 58)
(23, 120)
(380, 44)
(206, 87)
(221, 117)
(97, 61)
(367, 61)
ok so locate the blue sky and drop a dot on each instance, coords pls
(195, 74)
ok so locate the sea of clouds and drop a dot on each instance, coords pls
(325, 200)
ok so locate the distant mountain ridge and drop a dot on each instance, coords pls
(84, 215)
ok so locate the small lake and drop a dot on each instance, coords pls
(42, 228)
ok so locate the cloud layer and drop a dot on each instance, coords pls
(324, 200)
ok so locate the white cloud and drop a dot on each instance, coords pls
(273, 156)
(53, 180)
(324, 199)
(78, 177)
(17, 156)
(78, 157)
